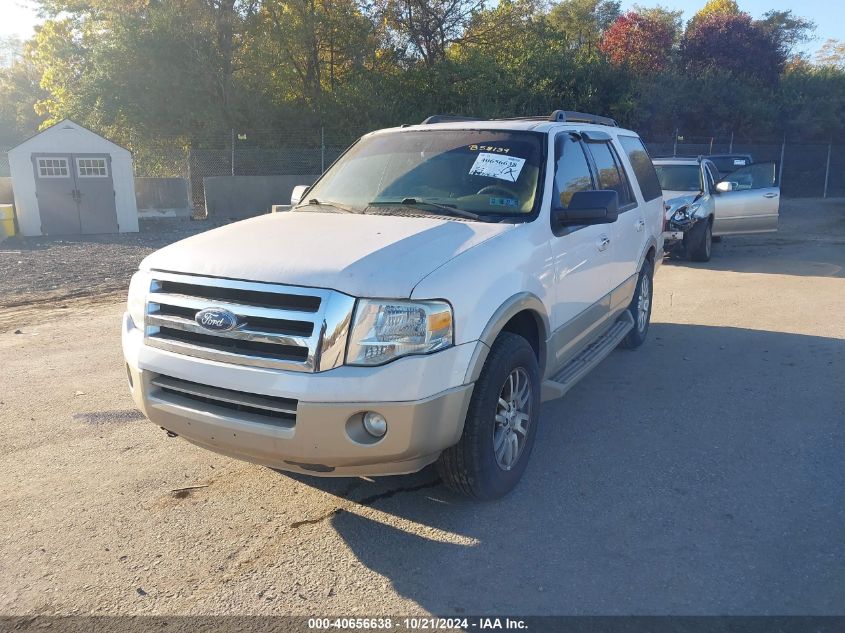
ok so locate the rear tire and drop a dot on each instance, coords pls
(640, 307)
(500, 426)
(699, 241)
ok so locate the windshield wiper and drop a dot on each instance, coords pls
(413, 202)
(328, 203)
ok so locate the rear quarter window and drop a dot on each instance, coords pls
(643, 167)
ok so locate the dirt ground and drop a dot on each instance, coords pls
(701, 474)
(38, 273)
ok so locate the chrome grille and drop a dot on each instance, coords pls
(280, 327)
(249, 406)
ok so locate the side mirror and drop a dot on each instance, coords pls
(297, 193)
(588, 207)
(724, 186)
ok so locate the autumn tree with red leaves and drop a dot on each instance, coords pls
(641, 42)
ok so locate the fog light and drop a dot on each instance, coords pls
(375, 424)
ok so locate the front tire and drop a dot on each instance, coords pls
(500, 426)
(640, 307)
(699, 241)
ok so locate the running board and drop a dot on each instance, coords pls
(581, 365)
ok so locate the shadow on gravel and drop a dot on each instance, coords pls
(702, 474)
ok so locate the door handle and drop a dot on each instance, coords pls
(603, 242)
(640, 225)
(770, 195)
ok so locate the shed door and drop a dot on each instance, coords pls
(55, 187)
(75, 193)
(95, 193)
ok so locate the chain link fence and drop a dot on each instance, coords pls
(806, 169)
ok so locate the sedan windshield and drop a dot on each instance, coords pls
(679, 177)
(467, 173)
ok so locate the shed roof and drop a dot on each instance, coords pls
(63, 125)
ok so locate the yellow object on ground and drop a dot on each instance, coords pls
(7, 220)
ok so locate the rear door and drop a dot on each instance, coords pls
(751, 205)
(95, 191)
(55, 188)
(649, 219)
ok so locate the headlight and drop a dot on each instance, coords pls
(137, 299)
(385, 330)
(694, 207)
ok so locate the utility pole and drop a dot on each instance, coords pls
(827, 170)
(731, 148)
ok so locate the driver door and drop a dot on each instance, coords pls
(747, 201)
(583, 260)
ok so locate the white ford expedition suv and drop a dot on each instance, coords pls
(414, 306)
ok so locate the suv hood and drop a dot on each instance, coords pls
(361, 255)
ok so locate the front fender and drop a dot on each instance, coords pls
(492, 282)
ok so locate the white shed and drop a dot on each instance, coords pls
(67, 180)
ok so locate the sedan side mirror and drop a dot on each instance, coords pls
(297, 193)
(724, 186)
(588, 207)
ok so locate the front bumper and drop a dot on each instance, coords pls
(671, 237)
(326, 438)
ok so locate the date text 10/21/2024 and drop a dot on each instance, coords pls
(417, 624)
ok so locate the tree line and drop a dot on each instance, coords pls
(141, 70)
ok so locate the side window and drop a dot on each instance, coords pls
(643, 167)
(572, 171)
(610, 173)
(91, 168)
(52, 168)
(754, 176)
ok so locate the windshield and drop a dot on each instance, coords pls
(679, 177)
(488, 173)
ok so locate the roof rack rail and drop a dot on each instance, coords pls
(567, 116)
(448, 118)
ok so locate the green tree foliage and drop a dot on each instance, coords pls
(582, 22)
(717, 7)
(156, 74)
(20, 90)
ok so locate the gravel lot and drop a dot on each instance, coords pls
(37, 269)
(702, 474)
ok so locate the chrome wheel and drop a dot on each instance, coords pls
(513, 415)
(643, 303)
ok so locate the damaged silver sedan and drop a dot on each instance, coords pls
(702, 205)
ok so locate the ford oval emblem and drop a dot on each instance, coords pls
(216, 319)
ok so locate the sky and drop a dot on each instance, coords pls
(18, 17)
